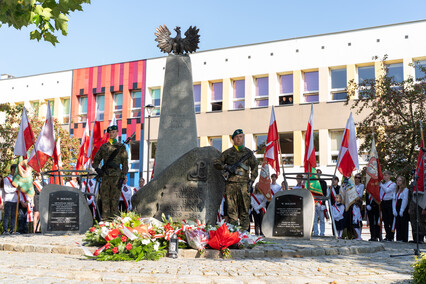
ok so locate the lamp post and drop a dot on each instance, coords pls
(148, 108)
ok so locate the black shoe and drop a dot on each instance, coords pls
(373, 240)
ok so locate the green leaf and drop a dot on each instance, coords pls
(35, 35)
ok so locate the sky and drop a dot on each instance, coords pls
(112, 31)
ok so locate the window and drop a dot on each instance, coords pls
(136, 97)
(35, 108)
(100, 106)
(260, 142)
(419, 73)
(197, 98)
(153, 151)
(66, 111)
(338, 84)
(262, 91)
(239, 87)
(217, 95)
(286, 146)
(335, 141)
(134, 150)
(156, 101)
(216, 142)
(396, 72)
(118, 105)
(366, 76)
(286, 89)
(311, 87)
(82, 109)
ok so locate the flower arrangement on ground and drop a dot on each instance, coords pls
(130, 237)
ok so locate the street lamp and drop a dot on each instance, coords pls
(148, 108)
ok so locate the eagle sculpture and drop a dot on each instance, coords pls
(177, 45)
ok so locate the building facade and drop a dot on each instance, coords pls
(236, 87)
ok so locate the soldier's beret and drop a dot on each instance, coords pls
(112, 127)
(236, 132)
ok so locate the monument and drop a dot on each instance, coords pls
(290, 215)
(64, 210)
(185, 184)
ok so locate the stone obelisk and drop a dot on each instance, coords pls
(177, 133)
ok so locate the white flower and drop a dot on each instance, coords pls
(145, 241)
(104, 232)
(156, 245)
(126, 219)
(107, 224)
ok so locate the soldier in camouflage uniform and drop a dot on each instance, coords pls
(111, 173)
(236, 193)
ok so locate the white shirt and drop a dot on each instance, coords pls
(73, 184)
(401, 195)
(275, 188)
(387, 190)
(360, 189)
(262, 202)
(92, 187)
(127, 192)
(338, 211)
(9, 190)
(356, 214)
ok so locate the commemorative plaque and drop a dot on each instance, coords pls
(63, 211)
(290, 215)
(288, 219)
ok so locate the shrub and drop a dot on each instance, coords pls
(419, 273)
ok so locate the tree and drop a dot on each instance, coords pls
(48, 16)
(69, 145)
(393, 110)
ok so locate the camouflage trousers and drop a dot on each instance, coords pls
(110, 195)
(238, 203)
(413, 221)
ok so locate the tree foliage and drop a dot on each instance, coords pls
(48, 16)
(393, 111)
(9, 132)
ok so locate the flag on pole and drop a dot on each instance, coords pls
(310, 161)
(57, 162)
(420, 185)
(45, 144)
(272, 144)
(95, 138)
(374, 174)
(25, 137)
(84, 146)
(348, 158)
(314, 184)
(105, 138)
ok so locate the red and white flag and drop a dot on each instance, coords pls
(348, 158)
(95, 138)
(105, 138)
(374, 173)
(272, 144)
(45, 143)
(84, 147)
(25, 136)
(310, 161)
(57, 162)
(420, 184)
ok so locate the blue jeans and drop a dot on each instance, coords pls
(319, 214)
(9, 212)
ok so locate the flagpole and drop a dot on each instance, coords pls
(282, 164)
(57, 162)
(38, 161)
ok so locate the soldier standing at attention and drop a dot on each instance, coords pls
(241, 165)
(114, 154)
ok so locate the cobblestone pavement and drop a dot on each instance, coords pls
(349, 266)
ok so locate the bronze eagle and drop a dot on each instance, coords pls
(177, 45)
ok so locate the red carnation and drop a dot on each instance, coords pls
(92, 229)
(115, 250)
(123, 239)
(129, 246)
(152, 232)
(107, 246)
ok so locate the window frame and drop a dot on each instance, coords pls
(132, 108)
(283, 94)
(335, 91)
(66, 117)
(310, 93)
(82, 116)
(102, 113)
(157, 108)
(259, 98)
(211, 138)
(215, 102)
(196, 104)
(234, 88)
(114, 111)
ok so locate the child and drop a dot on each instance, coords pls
(258, 202)
(400, 210)
(337, 210)
(357, 218)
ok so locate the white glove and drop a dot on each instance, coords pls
(322, 207)
(395, 213)
(401, 213)
(368, 207)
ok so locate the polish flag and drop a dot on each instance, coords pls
(43, 148)
(57, 162)
(310, 161)
(105, 138)
(348, 158)
(84, 147)
(374, 174)
(25, 137)
(272, 144)
(95, 138)
(420, 171)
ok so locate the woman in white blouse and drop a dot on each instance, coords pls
(400, 210)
